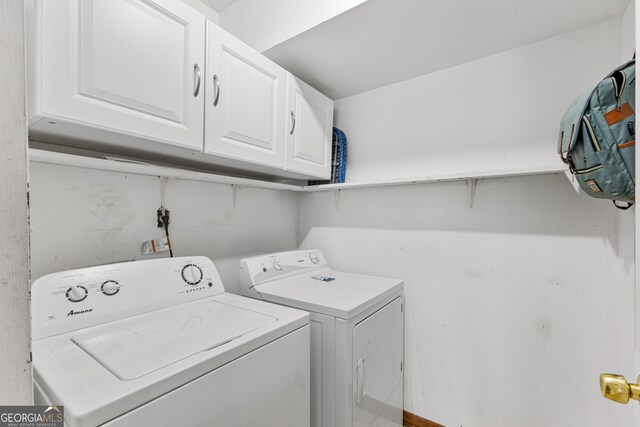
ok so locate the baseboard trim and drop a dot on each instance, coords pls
(411, 420)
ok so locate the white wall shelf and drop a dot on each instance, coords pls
(139, 168)
(440, 178)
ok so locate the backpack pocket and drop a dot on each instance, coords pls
(628, 153)
(607, 179)
(593, 182)
(588, 179)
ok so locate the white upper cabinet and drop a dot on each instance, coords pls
(309, 117)
(135, 67)
(245, 102)
(155, 79)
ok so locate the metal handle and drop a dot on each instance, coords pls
(196, 78)
(216, 97)
(616, 388)
(360, 380)
(293, 122)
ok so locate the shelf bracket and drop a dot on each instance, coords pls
(471, 190)
(234, 195)
(163, 189)
(336, 195)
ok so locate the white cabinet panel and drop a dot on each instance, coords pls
(378, 355)
(322, 370)
(310, 118)
(130, 66)
(245, 101)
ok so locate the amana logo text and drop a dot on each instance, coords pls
(75, 313)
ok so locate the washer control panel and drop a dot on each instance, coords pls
(76, 299)
(265, 268)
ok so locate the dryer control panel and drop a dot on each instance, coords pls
(266, 268)
(76, 299)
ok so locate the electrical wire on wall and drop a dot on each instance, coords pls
(154, 246)
(164, 219)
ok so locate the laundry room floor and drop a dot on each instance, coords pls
(411, 420)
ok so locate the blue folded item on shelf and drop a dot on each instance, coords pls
(338, 159)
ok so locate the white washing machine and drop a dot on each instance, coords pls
(160, 343)
(357, 334)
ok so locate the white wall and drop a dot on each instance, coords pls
(514, 306)
(630, 39)
(83, 217)
(628, 221)
(15, 310)
(263, 24)
(499, 112)
(628, 45)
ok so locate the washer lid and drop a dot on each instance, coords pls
(334, 293)
(142, 344)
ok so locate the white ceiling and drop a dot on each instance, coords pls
(385, 41)
(218, 5)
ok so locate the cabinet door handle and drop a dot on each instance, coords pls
(216, 97)
(360, 381)
(196, 79)
(293, 122)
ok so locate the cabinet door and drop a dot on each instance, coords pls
(244, 101)
(125, 65)
(309, 117)
(378, 354)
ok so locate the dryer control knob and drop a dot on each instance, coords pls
(313, 256)
(76, 293)
(191, 274)
(110, 287)
(277, 266)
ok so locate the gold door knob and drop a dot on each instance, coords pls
(616, 388)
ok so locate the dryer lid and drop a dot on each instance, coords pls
(139, 345)
(329, 292)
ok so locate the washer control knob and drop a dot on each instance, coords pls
(76, 293)
(277, 266)
(313, 256)
(110, 287)
(191, 274)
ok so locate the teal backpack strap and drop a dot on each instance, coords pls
(622, 207)
(570, 126)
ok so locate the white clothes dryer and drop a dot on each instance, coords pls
(357, 334)
(160, 343)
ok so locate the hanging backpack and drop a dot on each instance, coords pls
(597, 138)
